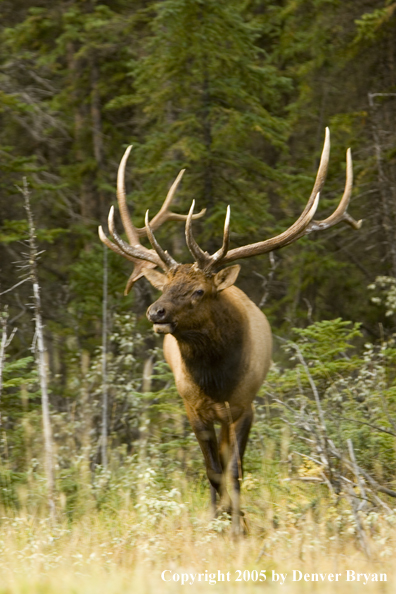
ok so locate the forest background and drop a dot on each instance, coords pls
(239, 93)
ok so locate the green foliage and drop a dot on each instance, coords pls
(371, 24)
(357, 391)
(206, 92)
(18, 373)
(239, 93)
(327, 342)
(17, 230)
(385, 294)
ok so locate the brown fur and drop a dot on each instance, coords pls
(218, 342)
(219, 350)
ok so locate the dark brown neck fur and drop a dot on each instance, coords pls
(212, 353)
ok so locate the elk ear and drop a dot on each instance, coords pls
(157, 279)
(226, 277)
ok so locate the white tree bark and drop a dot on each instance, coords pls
(5, 341)
(104, 363)
(41, 359)
(2, 351)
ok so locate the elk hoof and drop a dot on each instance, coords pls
(223, 510)
(239, 527)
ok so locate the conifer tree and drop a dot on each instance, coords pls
(210, 102)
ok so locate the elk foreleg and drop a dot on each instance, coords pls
(225, 453)
(239, 433)
(206, 436)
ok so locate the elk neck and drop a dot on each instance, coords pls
(213, 352)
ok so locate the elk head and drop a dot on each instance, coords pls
(187, 288)
(188, 296)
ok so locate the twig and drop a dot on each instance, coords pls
(306, 456)
(381, 429)
(268, 281)
(306, 479)
(15, 286)
(312, 384)
(385, 405)
(380, 502)
(360, 529)
(356, 471)
(328, 483)
(372, 481)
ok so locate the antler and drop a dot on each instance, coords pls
(340, 214)
(204, 260)
(303, 226)
(141, 256)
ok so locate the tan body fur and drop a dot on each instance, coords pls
(218, 345)
(256, 362)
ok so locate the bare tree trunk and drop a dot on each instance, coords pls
(147, 375)
(85, 411)
(75, 70)
(144, 420)
(97, 136)
(104, 361)
(144, 424)
(85, 500)
(3, 320)
(41, 362)
(388, 211)
(208, 167)
(96, 113)
(5, 341)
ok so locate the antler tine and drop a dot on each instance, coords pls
(129, 227)
(169, 197)
(135, 252)
(163, 255)
(288, 236)
(164, 214)
(322, 171)
(320, 176)
(340, 214)
(202, 258)
(139, 252)
(139, 264)
(103, 237)
(305, 223)
(137, 273)
(218, 256)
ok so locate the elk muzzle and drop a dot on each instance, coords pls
(158, 315)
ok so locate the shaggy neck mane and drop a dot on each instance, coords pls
(212, 352)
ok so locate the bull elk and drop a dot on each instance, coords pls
(217, 341)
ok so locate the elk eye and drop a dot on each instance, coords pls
(198, 293)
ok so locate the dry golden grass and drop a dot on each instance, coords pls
(125, 548)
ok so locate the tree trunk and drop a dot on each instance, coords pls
(97, 136)
(41, 359)
(388, 219)
(3, 320)
(104, 364)
(80, 116)
(144, 420)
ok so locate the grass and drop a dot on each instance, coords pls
(143, 529)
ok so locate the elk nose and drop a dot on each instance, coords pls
(156, 313)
